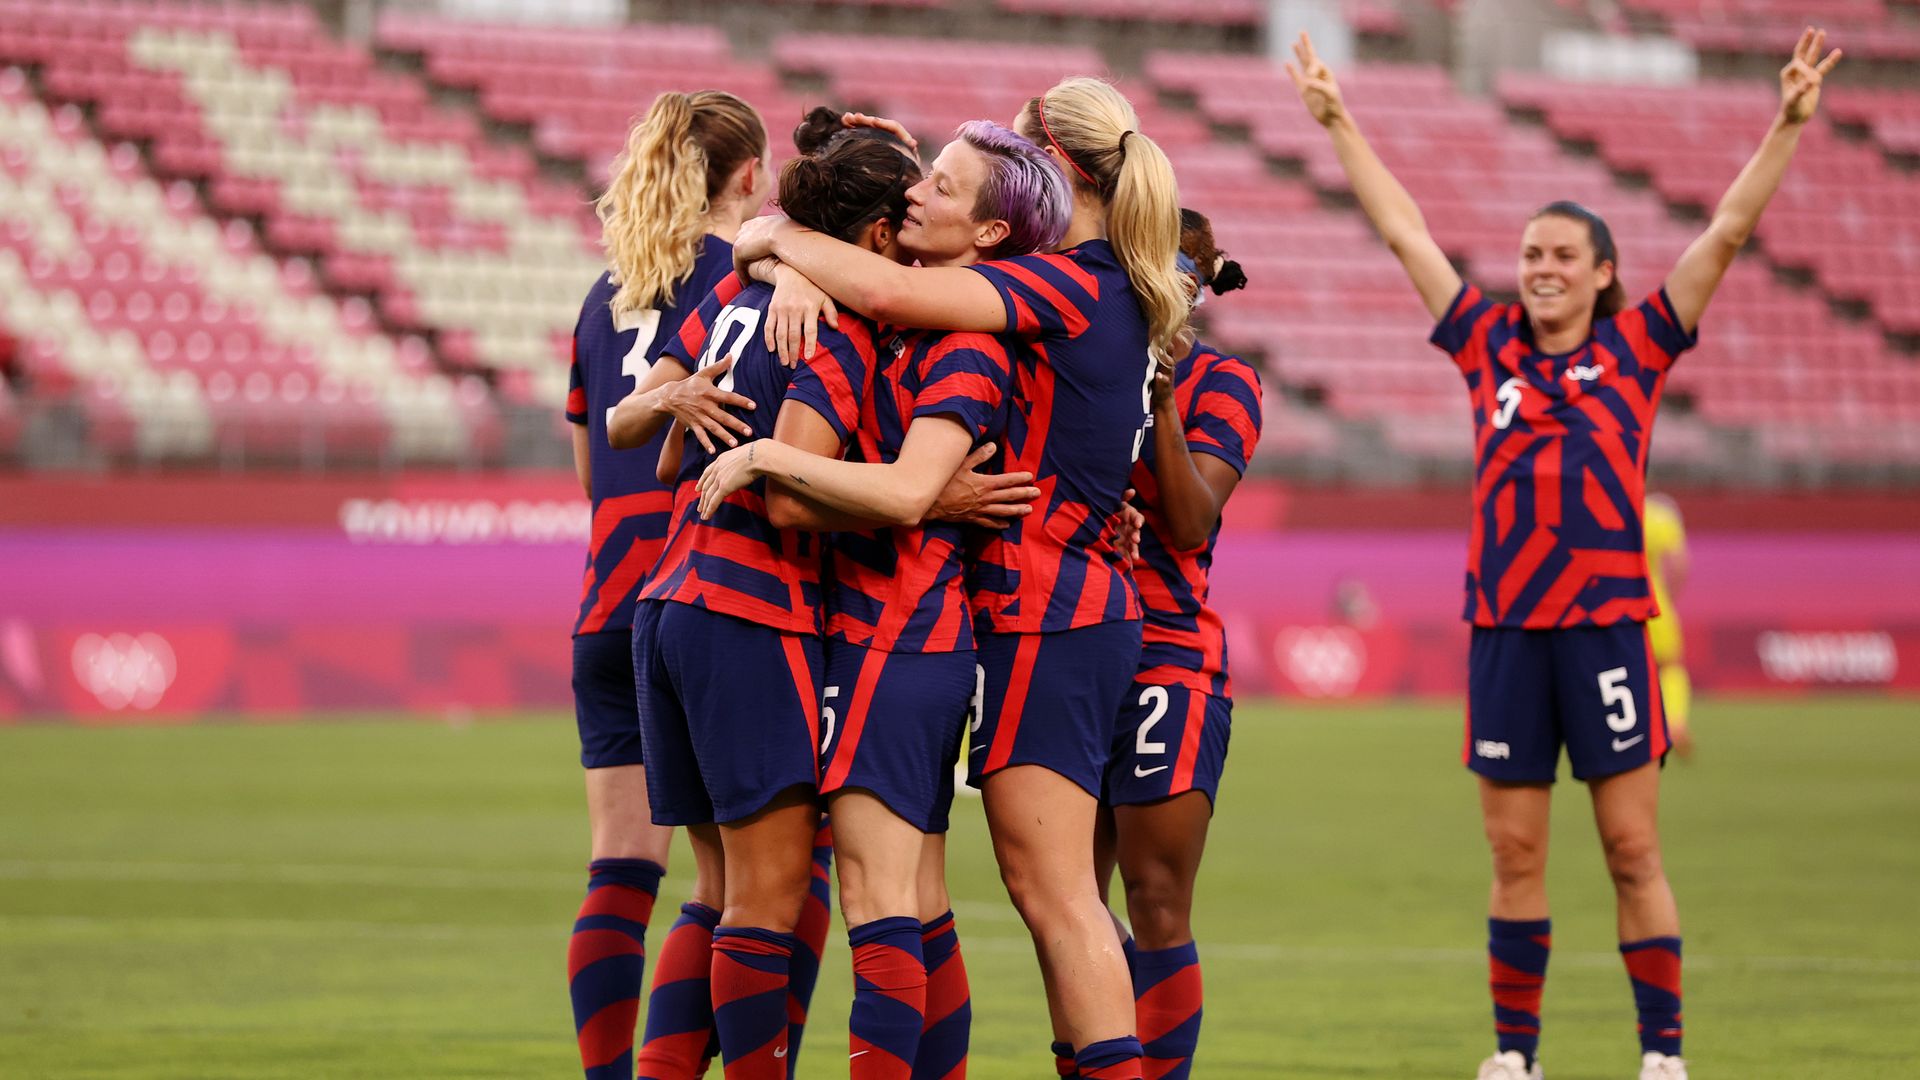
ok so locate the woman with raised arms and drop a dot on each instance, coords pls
(1057, 617)
(1564, 386)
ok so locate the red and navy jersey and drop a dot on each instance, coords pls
(630, 507)
(1081, 390)
(1560, 461)
(1183, 641)
(736, 562)
(903, 589)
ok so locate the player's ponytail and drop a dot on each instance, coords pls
(1613, 299)
(653, 213)
(848, 186)
(1093, 127)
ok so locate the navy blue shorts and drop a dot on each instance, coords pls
(1052, 700)
(605, 706)
(1592, 688)
(729, 712)
(893, 724)
(1171, 740)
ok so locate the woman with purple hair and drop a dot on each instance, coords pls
(900, 651)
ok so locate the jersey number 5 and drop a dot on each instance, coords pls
(635, 364)
(1509, 397)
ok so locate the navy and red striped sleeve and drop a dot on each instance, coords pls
(576, 387)
(1045, 295)
(1224, 420)
(690, 340)
(1465, 321)
(1653, 332)
(965, 377)
(833, 381)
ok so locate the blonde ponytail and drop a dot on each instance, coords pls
(654, 212)
(1094, 127)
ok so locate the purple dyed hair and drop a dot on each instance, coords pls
(1024, 188)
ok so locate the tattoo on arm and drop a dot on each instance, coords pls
(798, 479)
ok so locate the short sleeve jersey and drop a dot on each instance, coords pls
(1560, 461)
(1081, 387)
(630, 507)
(902, 589)
(1184, 642)
(737, 563)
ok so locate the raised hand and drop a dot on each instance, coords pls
(1313, 79)
(1800, 79)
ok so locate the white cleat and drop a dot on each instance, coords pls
(1512, 1065)
(1662, 1067)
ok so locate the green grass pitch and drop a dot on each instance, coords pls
(392, 899)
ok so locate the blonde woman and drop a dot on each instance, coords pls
(1056, 613)
(694, 167)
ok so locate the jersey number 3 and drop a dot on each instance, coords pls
(635, 364)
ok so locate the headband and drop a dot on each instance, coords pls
(1041, 106)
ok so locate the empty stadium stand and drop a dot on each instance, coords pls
(226, 227)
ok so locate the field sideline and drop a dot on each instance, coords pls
(380, 899)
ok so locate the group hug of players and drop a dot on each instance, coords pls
(932, 459)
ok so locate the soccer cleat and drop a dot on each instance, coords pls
(1662, 1067)
(1511, 1065)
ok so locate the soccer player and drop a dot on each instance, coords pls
(737, 593)
(900, 644)
(1164, 773)
(1667, 569)
(694, 167)
(1057, 616)
(1564, 385)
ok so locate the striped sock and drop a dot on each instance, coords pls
(749, 1001)
(1063, 1059)
(1110, 1059)
(1517, 952)
(810, 938)
(949, 1022)
(679, 1039)
(1166, 1003)
(1654, 967)
(889, 998)
(605, 960)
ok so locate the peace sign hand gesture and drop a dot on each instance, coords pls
(1314, 81)
(1800, 79)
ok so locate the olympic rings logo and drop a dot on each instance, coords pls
(124, 670)
(1323, 661)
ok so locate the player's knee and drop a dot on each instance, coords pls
(1633, 858)
(1037, 895)
(865, 896)
(1160, 906)
(767, 896)
(1518, 855)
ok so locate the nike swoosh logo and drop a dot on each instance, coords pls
(780, 1052)
(860, 1053)
(1622, 744)
(1140, 772)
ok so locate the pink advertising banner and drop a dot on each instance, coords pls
(459, 597)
